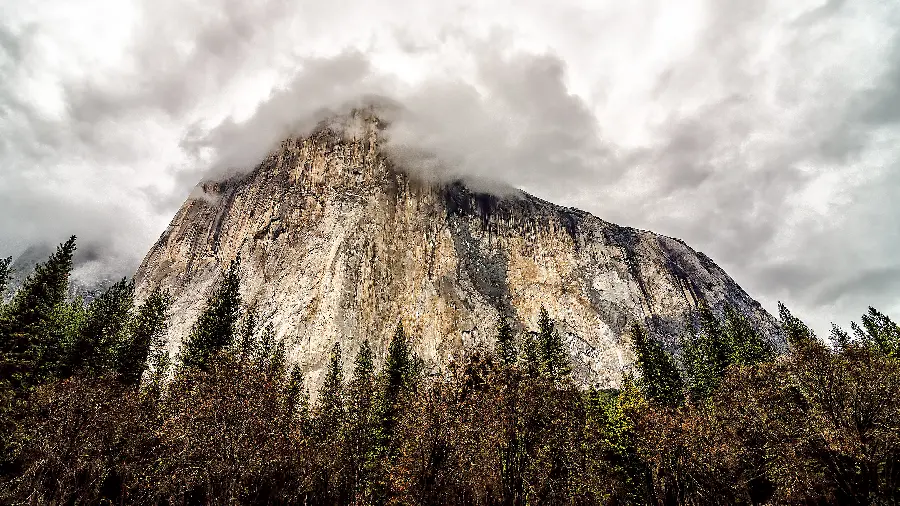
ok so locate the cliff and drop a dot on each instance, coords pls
(337, 244)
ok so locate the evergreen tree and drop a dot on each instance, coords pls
(839, 337)
(4, 278)
(264, 351)
(396, 376)
(104, 331)
(247, 344)
(297, 398)
(531, 358)
(748, 346)
(329, 430)
(399, 364)
(554, 356)
(215, 329)
(147, 332)
(331, 396)
(506, 345)
(159, 363)
(659, 375)
(796, 332)
(707, 355)
(32, 329)
(879, 332)
(277, 364)
(270, 353)
(361, 430)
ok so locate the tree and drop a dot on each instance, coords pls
(659, 375)
(839, 337)
(104, 332)
(879, 333)
(31, 330)
(361, 430)
(277, 363)
(297, 398)
(4, 278)
(506, 345)
(331, 396)
(215, 329)
(329, 430)
(399, 364)
(147, 333)
(747, 345)
(554, 355)
(796, 332)
(247, 345)
(396, 379)
(707, 355)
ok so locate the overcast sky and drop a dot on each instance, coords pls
(764, 133)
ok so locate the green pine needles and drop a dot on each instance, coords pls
(217, 325)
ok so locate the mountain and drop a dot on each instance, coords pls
(338, 244)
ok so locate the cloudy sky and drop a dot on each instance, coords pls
(765, 133)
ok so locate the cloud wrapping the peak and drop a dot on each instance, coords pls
(762, 133)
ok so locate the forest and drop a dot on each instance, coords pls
(94, 410)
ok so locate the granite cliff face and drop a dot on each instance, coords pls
(337, 245)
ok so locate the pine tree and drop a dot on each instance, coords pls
(247, 344)
(796, 332)
(748, 346)
(159, 363)
(4, 278)
(361, 430)
(554, 356)
(217, 325)
(329, 430)
(331, 397)
(659, 375)
(839, 337)
(879, 332)
(506, 345)
(297, 398)
(396, 376)
(399, 363)
(277, 364)
(31, 337)
(104, 331)
(264, 351)
(147, 332)
(707, 355)
(531, 359)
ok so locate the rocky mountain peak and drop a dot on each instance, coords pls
(338, 244)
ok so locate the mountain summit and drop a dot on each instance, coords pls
(338, 244)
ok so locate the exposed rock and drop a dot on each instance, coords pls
(338, 245)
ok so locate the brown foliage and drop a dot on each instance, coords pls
(815, 427)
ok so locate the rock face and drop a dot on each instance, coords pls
(338, 245)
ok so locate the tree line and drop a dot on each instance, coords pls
(93, 409)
